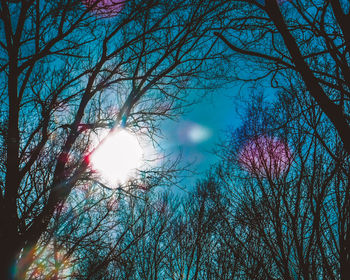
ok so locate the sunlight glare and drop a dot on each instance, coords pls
(117, 157)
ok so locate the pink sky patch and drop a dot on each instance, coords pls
(107, 8)
(265, 156)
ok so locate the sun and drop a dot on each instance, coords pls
(116, 158)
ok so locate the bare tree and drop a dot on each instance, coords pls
(286, 224)
(292, 41)
(193, 252)
(69, 68)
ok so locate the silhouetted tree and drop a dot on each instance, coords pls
(68, 68)
(286, 224)
(302, 45)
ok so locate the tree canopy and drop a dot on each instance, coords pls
(77, 73)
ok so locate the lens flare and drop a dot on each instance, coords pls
(265, 156)
(117, 157)
(50, 262)
(193, 133)
(280, 2)
(108, 8)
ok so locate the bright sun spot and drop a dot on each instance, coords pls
(117, 156)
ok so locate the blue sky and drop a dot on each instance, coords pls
(198, 131)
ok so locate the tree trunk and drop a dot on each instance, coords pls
(8, 258)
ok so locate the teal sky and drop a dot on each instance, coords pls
(216, 114)
(198, 131)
